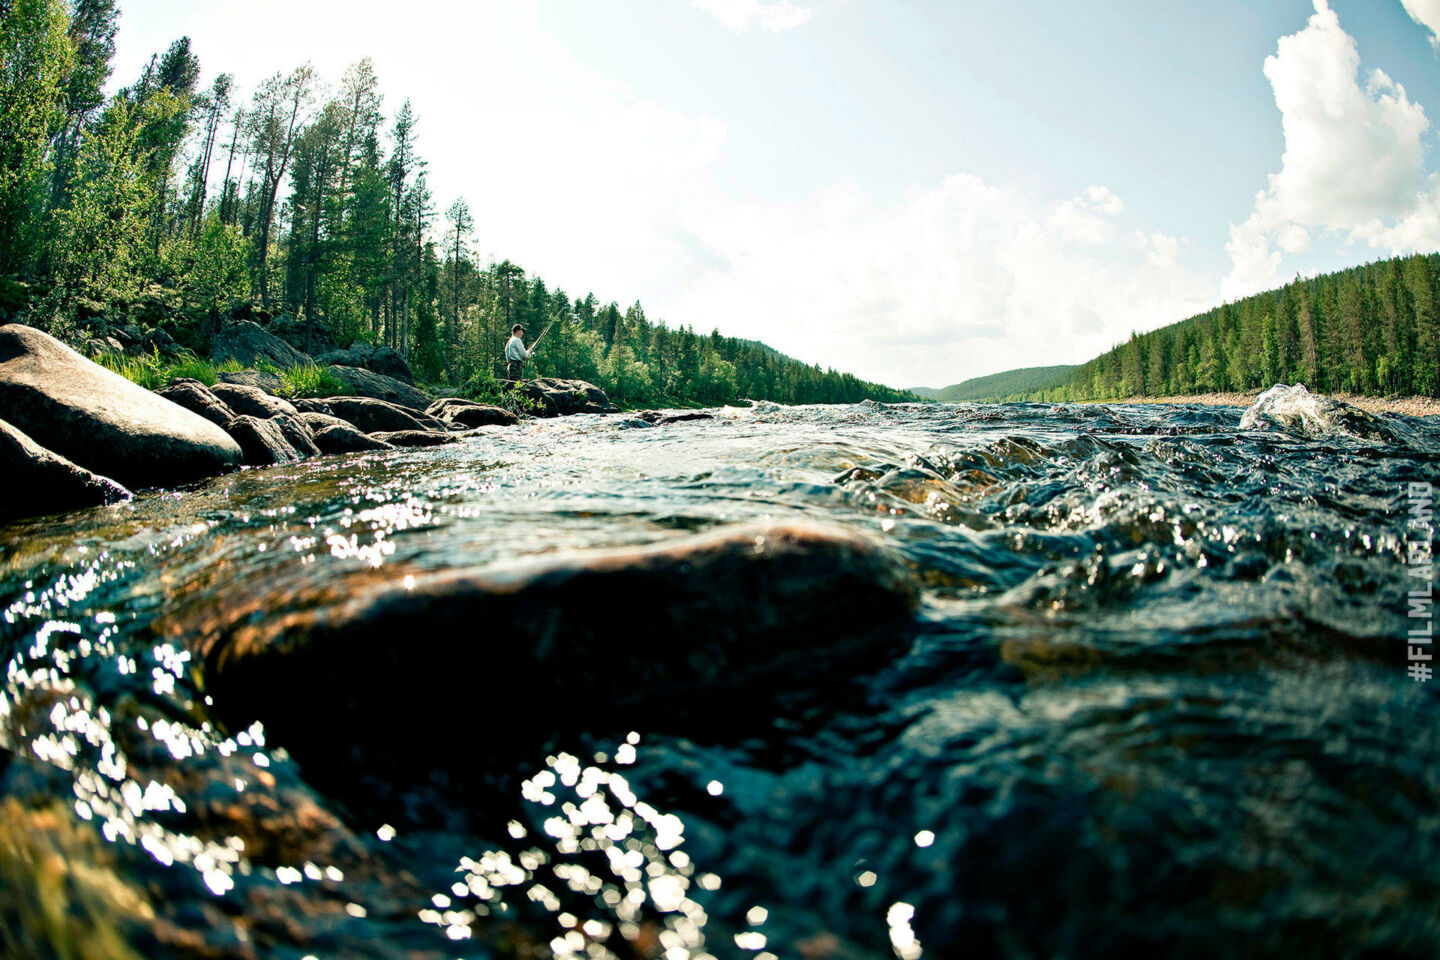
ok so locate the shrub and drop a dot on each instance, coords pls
(311, 380)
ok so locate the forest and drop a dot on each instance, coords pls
(168, 204)
(1372, 329)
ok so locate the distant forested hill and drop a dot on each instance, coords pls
(1373, 329)
(998, 385)
(168, 204)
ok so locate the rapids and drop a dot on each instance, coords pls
(1155, 699)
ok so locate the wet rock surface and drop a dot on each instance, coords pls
(756, 605)
(101, 421)
(39, 482)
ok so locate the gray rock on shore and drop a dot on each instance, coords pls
(557, 398)
(40, 481)
(372, 415)
(252, 401)
(377, 386)
(378, 359)
(341, 437)
(263, 441)
(414, 438)
(249, 344)
(468, 413)
(101, 421)
(198, 398)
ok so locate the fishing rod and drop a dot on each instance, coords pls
(542, 334)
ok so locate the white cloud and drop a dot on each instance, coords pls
(773, 15)
(1427, 14)
(1086, 219)
(1354, 160)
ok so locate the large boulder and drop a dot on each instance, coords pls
(558, 398)
(248, 343)
(371, 415)
(40, 482)
(313, 338)
(198, 398)
(699, 622)
(252, 401)
(364, 383)
(298, 433)
(378, 359)
(468, 413)
(271, 383)
(102, 421)
(340, 437)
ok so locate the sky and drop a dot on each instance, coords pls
(917, 192)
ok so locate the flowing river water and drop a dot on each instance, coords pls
(1154, 699)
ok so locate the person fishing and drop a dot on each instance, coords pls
(516, 353)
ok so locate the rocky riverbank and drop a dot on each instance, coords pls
(1410, 406)
(75, 434)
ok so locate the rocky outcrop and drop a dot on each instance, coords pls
(377, 359)
(249, 344)
(414, 438)
(319, 421)
(468, 413)
(101, 421)
(340, 437)
(558, 398)
(687, 624)
(312, 338)
(371, 415)
(252, 401)
(377, 386)
(310, 405)
(271, 383)
(40, 482)
(298, 434)
(198, 398)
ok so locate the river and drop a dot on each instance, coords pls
(1154, 699)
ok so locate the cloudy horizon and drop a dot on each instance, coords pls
(916, 193)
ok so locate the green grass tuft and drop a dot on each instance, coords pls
(311, 380)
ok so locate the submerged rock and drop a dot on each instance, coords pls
(101, 421)
(672, 626)
(414, 438)
(198, 398)
(468, 413)
(365, 383)
(1297, 411)
(39, 482)
(248, 343)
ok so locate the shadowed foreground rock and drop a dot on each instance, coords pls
(340, 437)
(38, 481)
(101, 421)
(198, 398)
(458, 657)
(414, 438)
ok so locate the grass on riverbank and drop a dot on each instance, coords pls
(154, 373)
